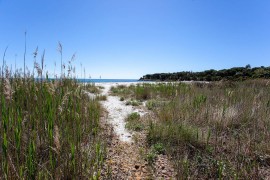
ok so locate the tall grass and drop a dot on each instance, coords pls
(48, 129)
(216, 130)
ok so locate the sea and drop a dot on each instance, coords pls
(99, 80)
(106, 80)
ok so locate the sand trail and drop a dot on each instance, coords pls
(117, 112)
(124, 157)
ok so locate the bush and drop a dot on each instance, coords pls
(159, 148)
(133, 122)
(151, 157)
(133, 103)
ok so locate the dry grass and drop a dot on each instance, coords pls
(216, 130)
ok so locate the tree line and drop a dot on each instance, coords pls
(233, 74)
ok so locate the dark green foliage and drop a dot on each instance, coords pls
(236, 74)
(159, 148)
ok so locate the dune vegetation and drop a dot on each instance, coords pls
(49, 129)
(211, 130)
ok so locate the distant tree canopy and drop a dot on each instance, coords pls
(234, 74)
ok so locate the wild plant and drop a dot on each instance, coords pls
(47, 128)
(224, 122)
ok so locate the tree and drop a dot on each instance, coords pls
(248, 66)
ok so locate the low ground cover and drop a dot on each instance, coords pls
(212, 130)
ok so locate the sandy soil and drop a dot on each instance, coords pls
(124, 158)
(118, 111)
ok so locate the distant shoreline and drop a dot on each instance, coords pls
(80, 80)
(233, 74)
(106, 80)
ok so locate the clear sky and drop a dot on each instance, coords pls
(130, 38)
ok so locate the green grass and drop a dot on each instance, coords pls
(159, 148)
(215, 130)
(133, 122)
(133, 103)
(120, 89)
(92, 88)
(153, 104)
(48, 129)
(154, 151)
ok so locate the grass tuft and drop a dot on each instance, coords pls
(215, 130)
(133, 122)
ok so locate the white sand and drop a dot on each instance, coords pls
(118, 111)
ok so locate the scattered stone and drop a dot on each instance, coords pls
(164, 171)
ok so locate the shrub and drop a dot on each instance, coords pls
(151, 157)
(133, 122)
(133, 103)
(159, 148)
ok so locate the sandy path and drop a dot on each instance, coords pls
(124, 157)
(123, 160)
(117, 112)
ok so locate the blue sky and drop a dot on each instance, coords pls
(130, 38)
